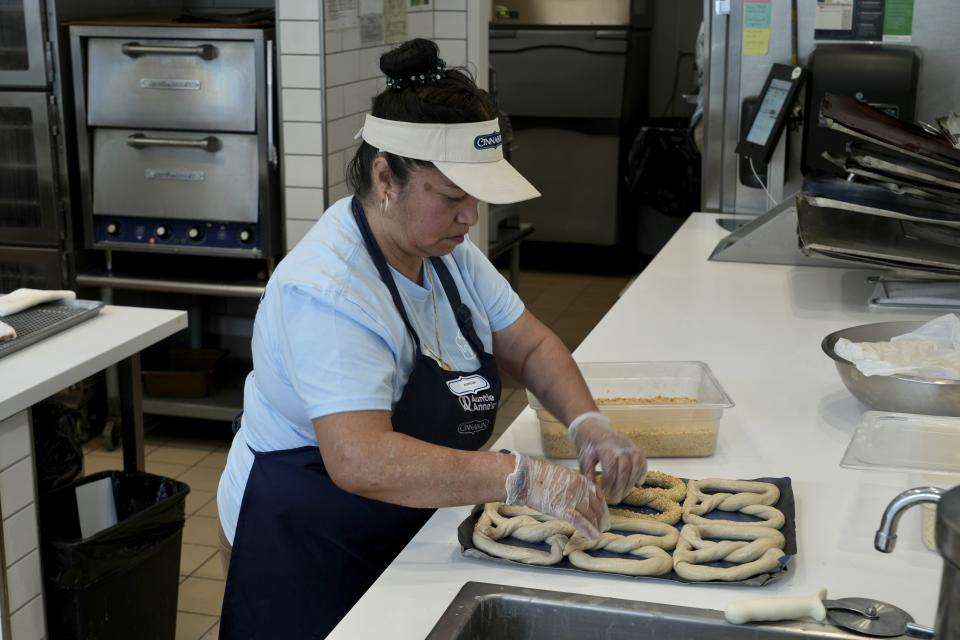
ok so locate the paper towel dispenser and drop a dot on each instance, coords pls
(882, 76)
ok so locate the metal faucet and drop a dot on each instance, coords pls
(947, 625)
(886, 538)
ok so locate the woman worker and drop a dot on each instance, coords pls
(375, 384)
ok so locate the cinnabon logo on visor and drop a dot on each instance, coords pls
(488, 141)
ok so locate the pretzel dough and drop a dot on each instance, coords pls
(735, 493)
(668, 512)
(642, 533)
(491, 527)
(657, 484)
(748, 497)
(756, 550)
(664, 497)
(752, 548)
(656, 562)
(521, 554)
(528, 528)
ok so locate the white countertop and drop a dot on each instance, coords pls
(42, 369)
(759, 328)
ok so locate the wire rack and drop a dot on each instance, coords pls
(42, 321)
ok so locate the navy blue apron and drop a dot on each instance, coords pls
(304, 550)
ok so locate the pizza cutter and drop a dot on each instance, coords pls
(860, 615)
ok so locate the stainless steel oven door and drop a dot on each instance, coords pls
(22, 62)
(31, 268)
(28, 208)
(176, 175)
(171, 84)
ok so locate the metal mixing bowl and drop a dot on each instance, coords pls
(898, 393)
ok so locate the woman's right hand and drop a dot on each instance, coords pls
(560, 492)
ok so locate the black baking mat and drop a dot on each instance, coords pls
(785, 505)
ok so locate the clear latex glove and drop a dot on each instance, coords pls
(560, 492)
(624, 464)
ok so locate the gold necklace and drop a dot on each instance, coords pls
(438, 354)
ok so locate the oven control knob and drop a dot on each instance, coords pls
(162, 232)
(246, 236)
(195, 233)
(113, 229)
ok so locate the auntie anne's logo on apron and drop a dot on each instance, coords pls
(484, 402)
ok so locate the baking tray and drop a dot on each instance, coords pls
(785, 504)
(876, 239)
(44, 320)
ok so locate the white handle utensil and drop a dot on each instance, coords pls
(782, 608)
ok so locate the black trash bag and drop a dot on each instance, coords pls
(56, 445)
(663, 171)
(662, 185)
(123, 578)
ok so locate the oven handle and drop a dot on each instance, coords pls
(140, 141)
(271, 146)
(135, 49)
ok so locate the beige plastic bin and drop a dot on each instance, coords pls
(662, 429)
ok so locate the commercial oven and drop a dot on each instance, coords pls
(175, 136)
(23, 45)
(28, 201)
(35, 238)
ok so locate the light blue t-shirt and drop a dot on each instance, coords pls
(329, 339)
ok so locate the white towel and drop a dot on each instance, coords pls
(17, 301)
(7, 332)
(929, 351)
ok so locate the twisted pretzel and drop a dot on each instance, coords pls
(643, 533)
(668, 512)
(663, 485)
(733, 494)
(755, 550)
(664, 497)
(492, 526)
(749, 497)
(651, 542)
(656, 562)
(528, 528)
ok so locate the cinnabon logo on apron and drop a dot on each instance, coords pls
(468, 385)
(472, 427)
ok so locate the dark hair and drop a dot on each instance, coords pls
(451, 98)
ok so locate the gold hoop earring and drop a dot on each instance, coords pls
(384, 204)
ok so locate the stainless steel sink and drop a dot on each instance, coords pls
(483, 610)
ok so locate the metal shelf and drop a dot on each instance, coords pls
(196, 287)
(222, 404)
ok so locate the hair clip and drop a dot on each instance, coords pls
(427, 77)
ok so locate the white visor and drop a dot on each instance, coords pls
(469, 154)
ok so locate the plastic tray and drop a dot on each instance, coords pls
(44, 320)
(905, 442)
(786, 504)
(666, 429)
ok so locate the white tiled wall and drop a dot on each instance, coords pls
(302, 110)
(348, 76)
(21, 554)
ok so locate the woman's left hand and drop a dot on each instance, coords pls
(624, 464)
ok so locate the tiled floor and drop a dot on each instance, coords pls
(569, 304)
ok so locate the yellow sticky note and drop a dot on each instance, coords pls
(756, 42)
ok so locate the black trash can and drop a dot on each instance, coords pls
(121, 582)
